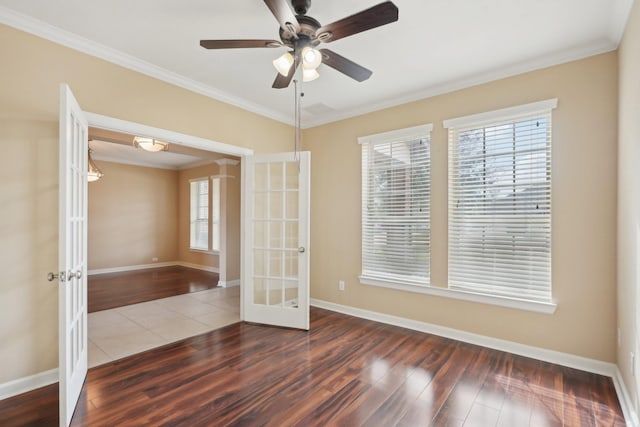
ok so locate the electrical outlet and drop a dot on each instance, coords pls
(341, 285)
(154, 259)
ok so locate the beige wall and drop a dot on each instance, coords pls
(184, 219)
(230, 208)
(28, 247)
(584, 169)
(133, 213)
(629, 203)
(233, 220)
(32, 70)
(584, 210)
(137, 213)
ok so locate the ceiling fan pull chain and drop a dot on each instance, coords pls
(295, 119)
(297, 84)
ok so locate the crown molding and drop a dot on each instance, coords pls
(73, 41)
(475, 80)
(132, 162)
(49, 32)
(225, 161)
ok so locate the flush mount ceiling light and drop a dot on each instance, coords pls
(150, 144)
(93, 172)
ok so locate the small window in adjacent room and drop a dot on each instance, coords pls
(215, 222)
(200, 214)
(500, 203)
(396, 176)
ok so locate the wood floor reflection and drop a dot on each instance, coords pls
(345, 372)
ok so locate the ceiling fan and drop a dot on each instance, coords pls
(302, 34)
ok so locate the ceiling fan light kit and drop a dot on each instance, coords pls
(309, 74)
(311, 58)
(283, 63)
(303, 34)
(150, 144)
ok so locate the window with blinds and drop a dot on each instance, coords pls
(500, 203)
(396, 174)
(199, 214)
(215, 209)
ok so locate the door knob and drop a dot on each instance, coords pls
(301, 249)
(53, 276)
(77, 275)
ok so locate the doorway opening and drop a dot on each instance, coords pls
(147, 283)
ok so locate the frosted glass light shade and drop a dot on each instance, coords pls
(283, 63)
(311, 58)
(150, 144)
(309, 74)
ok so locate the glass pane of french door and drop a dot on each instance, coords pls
(276, 226)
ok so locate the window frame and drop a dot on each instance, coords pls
(215, 196)
(367, 143)
(496, 118)
(214, 214)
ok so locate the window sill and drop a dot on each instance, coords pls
(538, 307)
(204, 251)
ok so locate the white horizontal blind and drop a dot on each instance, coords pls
(500, 208)
(396, 179)
(200, 214)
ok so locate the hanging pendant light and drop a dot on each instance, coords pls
(150, 144)
(93, 172)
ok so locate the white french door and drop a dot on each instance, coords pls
(275, 283)
(72, 255)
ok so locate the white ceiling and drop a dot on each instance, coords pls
(436, 45)
(128, 154)
(118, 147)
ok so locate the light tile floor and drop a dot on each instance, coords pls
(123, 331)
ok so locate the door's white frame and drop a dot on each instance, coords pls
(132, 128)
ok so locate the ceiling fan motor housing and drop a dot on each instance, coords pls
(305, 37)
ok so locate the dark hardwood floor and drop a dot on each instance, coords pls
(345, 372)
(113, 290)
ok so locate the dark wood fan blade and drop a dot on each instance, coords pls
(237, 44)
(376, 16)
(344, 65)
(284, 14)
(281, 81)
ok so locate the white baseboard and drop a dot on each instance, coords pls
(25, 384)
(130, 268)
(197, 266)
(626, 402)
(154, 265)
(229, 283)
